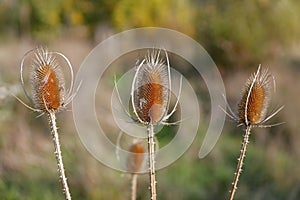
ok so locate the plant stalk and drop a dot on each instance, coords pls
(240, 162)
(57, 152)
(151, 143)
(133, 186)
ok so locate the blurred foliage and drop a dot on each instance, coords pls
(246, 32)
(39, 18)
(177, 15)
(228, 29)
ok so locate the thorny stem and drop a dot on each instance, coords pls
(57, 152)
(151, 143)
(240, 162)
(133, 186)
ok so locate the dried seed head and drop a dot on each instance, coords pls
(47, 82)
(135, 160)
(151, 89)
(48, 93)
(252, 108)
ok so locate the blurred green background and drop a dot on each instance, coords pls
(237, 34)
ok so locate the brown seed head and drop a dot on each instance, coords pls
(136, 159)
(47, 83)
(252, 108)
(151, 89)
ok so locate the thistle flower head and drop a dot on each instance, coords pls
(135, 160)
(47, 82)
(253, 106)
(252, 109)
(151, 89)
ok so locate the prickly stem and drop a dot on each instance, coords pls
(239, 166)
(57, 152)
(151, 144)
(133, 186)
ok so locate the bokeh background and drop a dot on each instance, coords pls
(238, 35)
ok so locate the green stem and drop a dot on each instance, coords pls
(240, 162)
(57, 152)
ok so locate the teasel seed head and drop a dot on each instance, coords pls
(136, 158)
(47, 82)
(48, 92)
(252, 109)
(151, 89)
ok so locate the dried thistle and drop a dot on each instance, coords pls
(48, 92)
(134, 164)
(150, 97)
(150, 100)
(135, 160)
(252, 112)
(48, 95)
(47, 82)
(151, 89)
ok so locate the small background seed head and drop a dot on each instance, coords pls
(136, 158)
